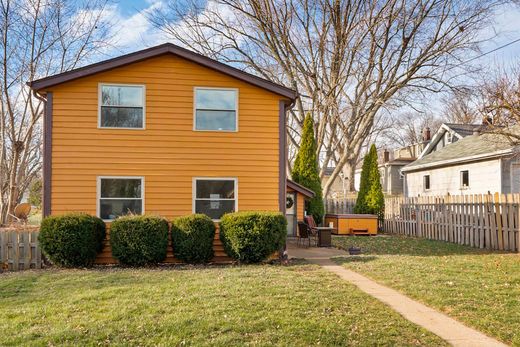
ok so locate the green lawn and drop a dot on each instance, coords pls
(476, 287)
(296, 305)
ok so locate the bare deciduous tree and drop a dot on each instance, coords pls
(348, 60)
(408, 128)
(461, 107)
(37, 38)
(500, 100)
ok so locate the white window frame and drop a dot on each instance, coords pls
(100, 103)
(461, 183)
(98, 193)
(194, 191)
(429, 182)
(195, 109)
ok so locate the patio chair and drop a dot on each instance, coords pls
(303, 233)
(309, 220)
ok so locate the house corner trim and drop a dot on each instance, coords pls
(282, 184)
(47, 155)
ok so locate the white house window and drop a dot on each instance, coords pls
(121, 106)
(215, 196)
(426, 182)
(464, 179)
(119, 196)
(216, 109)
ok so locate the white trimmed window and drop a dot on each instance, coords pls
(426, 182)
(119, 196)
(121, 106)
(464, 179)
(216, 109)
(214, 196)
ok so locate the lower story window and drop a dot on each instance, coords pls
(215, 196)
(426, 182)
(120, 196)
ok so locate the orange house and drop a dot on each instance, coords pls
(163, 131)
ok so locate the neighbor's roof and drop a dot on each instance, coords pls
(459, 130)
(463, 129)
(470, 148)
(300, 189)
(166, 48)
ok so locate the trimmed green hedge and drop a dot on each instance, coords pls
(72, 240)
(251, 237)
(139, 240)
(192, 238)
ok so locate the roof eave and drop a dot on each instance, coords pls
(300, 189)
(450, 162)
(166, 48)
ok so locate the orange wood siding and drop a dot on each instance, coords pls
(168, 153)
(300, 204)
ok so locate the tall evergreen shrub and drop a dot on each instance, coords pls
(370, 197)
(305, 169)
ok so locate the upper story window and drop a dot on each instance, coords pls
(426, 182)
(449, 137)
(215, 196)
(464, 179)
(118, 196)
(121, 106)
(216, 109)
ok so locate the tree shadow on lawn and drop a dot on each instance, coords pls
(354, 259)
(407, 246)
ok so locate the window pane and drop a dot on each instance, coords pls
(426, 182)
(122, 96)
(215, 189)
(215, 120)
(111, 209)
(121, 117)
(120, 188)
(214, 99)
(214, 208)
(465, 178)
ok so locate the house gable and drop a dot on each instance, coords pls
(447, 133)
(164, 49)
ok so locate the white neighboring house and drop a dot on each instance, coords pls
(472, 164)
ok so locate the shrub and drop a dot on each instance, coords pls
(251, 237)
(72, 240)
(139, 240)
(306, 172)
(370, 197)
(192, 238)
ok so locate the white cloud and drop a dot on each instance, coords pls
(134, 32)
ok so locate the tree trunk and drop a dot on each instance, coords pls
(350, 171)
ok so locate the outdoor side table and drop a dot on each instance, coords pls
(324, 236)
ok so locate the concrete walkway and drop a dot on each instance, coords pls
(454, 332)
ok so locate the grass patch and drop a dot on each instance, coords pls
(297, 305)
(477, 287)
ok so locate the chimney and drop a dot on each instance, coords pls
(427, 135)
(386, 156)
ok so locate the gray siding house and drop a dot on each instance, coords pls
(472, 164)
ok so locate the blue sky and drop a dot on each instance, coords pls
(135, 32)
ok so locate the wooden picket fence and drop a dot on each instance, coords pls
(489, 221)
(340, 206)
(19, 250)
